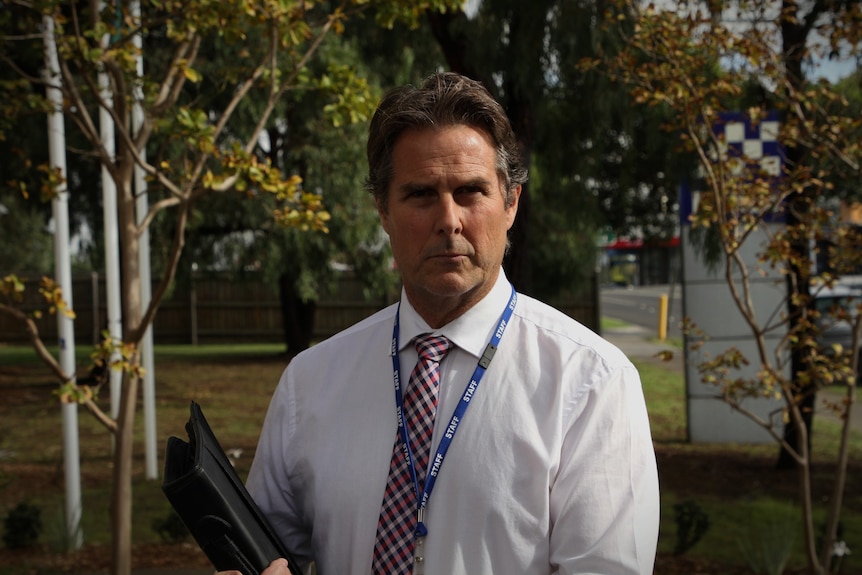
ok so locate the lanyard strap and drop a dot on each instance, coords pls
(457, 416)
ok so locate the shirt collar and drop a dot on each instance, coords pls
(470, 331)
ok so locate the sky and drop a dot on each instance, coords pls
(834, 70)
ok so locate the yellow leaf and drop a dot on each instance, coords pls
(665, 355)
(192, 75)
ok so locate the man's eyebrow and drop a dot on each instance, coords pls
(410, 187)
(477, 183)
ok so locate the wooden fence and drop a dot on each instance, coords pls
(223, 310)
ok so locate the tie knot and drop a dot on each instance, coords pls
(431, 347)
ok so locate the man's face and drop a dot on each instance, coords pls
(446, 218)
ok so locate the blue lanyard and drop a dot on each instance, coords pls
(457, 415)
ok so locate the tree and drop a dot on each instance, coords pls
(595, 162)
(25, 243)
(231, 235)
(765, 43)
(329, 155)
(187, 144)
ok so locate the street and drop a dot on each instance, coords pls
(640, 306)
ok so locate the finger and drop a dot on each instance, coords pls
(277, 567)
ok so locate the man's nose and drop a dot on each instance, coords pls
(448, 215)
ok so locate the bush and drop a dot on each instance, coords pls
(692, 523)
(171, 528)
(768, 543)
(23, 526)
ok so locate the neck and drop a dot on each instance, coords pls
(437, 311)
(437, 316)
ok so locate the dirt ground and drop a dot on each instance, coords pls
(680, 469)
(175, 559)
(687, 471)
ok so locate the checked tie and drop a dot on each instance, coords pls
(393, 550)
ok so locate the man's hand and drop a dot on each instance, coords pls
(277, 567)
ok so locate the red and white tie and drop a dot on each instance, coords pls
(393, 550)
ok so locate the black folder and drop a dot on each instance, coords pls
(206, 492)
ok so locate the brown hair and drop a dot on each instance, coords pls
(443, 99)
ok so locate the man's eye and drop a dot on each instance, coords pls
(471, 191)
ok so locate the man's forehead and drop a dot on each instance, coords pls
(406, 175)
(442, 140)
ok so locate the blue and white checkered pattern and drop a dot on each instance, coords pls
(744, 146)
(750, 142)
(393, 550)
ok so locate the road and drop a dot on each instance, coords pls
(640, 306)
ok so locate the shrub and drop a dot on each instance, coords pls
(692, 523)
(23, 526)
(768, 543)
(171, 528)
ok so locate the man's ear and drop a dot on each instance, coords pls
(381, 211)
(512, 209)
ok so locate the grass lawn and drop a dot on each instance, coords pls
(746, 500)
(736, 487)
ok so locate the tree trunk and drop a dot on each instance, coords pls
(297, 317)
(121, 512)
(121, 500)
(794, 37)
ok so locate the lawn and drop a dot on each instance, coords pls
(737, 488)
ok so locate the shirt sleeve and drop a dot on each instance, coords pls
(605, 499)
(269, 477)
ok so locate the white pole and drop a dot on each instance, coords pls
(141, 208)
(112, 237)
(63, 273)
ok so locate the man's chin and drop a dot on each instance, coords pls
(450, 285)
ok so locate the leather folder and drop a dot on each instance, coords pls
(203, 487)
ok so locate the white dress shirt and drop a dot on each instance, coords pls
(552, 469)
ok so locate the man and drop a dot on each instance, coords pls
(540, 458)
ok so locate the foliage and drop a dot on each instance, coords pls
(25, 233)
(171, 528)
(624, 167)
(596, 161)
(23, 526)
(767, 545)
(692, 523)
(25, 244)
(181, 125)
(327, 154)
(12, 291)
(663, 63)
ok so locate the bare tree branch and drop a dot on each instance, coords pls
(49, 360)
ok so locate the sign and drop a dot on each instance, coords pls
(751, 147)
